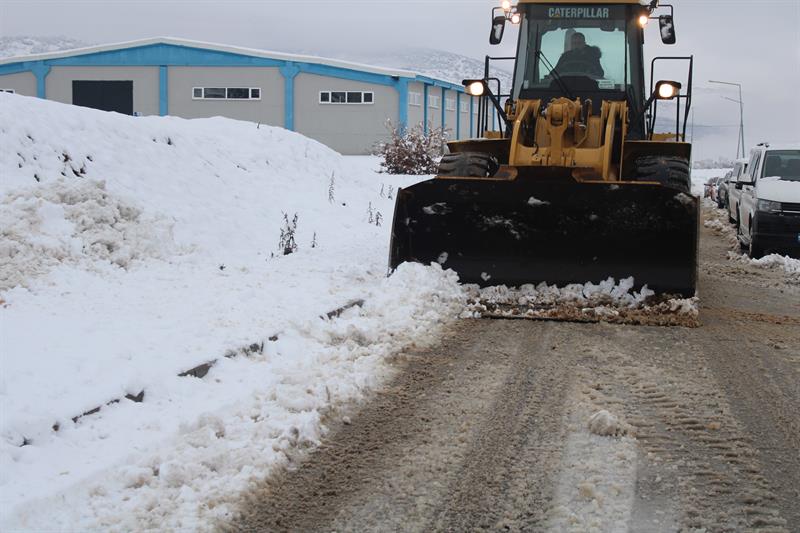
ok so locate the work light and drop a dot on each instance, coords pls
(667, 90)
(475, 88)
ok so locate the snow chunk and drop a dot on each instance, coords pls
(77, 223)
(436, 209)
(605, 424)
(536, 202)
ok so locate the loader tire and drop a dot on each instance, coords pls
(669, 171)
(468, 164)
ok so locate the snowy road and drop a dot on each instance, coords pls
(692, 428)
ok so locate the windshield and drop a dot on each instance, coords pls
(578, 48)
(784, 164)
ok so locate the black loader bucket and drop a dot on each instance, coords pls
(514, 232)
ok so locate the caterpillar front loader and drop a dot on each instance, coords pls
(573, 185)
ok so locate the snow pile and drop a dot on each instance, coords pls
(59, 223)
(716, 220)
(193, 482)
(608, 301)
(716, 225)
(789, 265)
(134, 249)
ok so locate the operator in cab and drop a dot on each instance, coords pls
(581, 58)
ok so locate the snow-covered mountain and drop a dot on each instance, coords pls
(438, 64)
(22, 45)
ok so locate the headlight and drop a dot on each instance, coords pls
(768, 205)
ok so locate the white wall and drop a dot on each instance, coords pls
(23, 83)
(268, 110)
(347, 128)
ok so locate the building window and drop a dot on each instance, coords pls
(12, 91)
(346, 97)
(414, 99)
(450, 103)
(226, 93)
(433, 102)
(465, 107)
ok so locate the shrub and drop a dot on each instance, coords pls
(287, 244)
(411, 150)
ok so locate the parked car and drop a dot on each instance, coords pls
(769, 210)
(722, 190)
(735, 190)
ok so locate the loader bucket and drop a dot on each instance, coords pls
(498, 232)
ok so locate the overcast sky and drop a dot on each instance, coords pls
(756, 43)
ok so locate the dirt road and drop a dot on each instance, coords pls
(489, 430)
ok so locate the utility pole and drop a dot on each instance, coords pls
(741, 144)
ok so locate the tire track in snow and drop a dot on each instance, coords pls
(467, 436)
(694, 446)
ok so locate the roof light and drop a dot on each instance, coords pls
(506, 5)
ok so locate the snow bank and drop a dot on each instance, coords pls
(133, 249)
(193, 481)
(788, 264)
(716, 220)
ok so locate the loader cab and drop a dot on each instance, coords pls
(592, 52)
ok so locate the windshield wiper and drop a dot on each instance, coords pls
(555, 74)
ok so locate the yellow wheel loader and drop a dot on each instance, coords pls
(572, 184)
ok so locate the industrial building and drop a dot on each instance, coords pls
(344, 105)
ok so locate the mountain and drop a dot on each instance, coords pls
(437, 64)
(23, 45)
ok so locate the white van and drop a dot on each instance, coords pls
(769, 209)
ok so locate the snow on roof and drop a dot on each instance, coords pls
(780, 146)
(253, 52)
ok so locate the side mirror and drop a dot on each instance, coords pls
(667, 26)
(498, 29)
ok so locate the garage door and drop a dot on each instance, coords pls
(105, 95)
